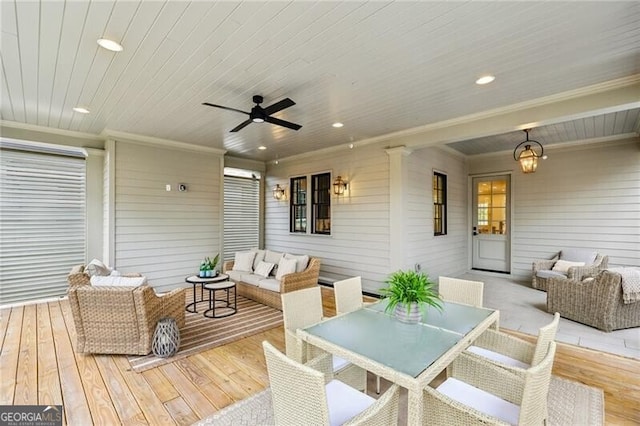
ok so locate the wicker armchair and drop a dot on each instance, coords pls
(481, 393)
(596, 302)
(121, 320)
(542, 270)
(303, 308)
(308, 395)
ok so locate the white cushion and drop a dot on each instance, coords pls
(285, 266)
(339, 363)
(548, 273)
(244, 261)
(480, 400)
(98, 280)
(564, 265)
(498, 357)
(301, 261)
(579, 255)
(252, 279)
(273, 257)
(96, 267)
(269, 284)
(235, 276)
(263, 269)
(259, 257)
(345, 402)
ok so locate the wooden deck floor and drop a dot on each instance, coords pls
(38, 365)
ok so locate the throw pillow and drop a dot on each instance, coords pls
(259, 257)
(285, 266)
(273, 257)
(95, 267)
(244, 261)
(564, 265)
(264, 268)
(301, 261)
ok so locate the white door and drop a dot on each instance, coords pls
(491, 223)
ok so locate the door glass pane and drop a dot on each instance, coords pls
(492, 207)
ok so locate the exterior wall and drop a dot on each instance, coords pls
(444, 254)
(583, 197)
(164, 235)
(359, 240)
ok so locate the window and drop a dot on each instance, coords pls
(319, 214)
(321, 203)
(298, 206)
(439, 204)
(241, 211)
(42, 217)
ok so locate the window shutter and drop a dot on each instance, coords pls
(241, 215)
(42, 219)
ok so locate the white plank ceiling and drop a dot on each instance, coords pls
(378, 67)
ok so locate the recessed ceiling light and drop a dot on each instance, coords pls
(81, 110)
(110, 45)
(485, 79)
(337, 125)
(262, 147)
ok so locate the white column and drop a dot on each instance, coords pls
(93, 203)
(398, 179)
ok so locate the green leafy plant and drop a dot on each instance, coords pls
(406, 287)
(211, 264)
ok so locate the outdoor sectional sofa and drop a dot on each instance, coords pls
(267, 290)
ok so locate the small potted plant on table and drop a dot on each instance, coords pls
(409, 293)
(208, 267)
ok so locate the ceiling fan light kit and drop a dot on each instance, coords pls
(260, 115)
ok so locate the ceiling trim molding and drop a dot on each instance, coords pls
(613, 140)
(52, 130)
(150, 140)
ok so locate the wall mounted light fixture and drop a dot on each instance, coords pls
(339, 186)
(278, 192)
(528, 157)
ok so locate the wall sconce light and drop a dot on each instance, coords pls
(339, 186)
(528, 157)
(278, 192)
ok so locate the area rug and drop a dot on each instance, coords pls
(202, 333)
(570, 403)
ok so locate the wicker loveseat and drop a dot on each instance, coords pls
(544, 270)
(119, 320)
(270, 295)
(594, 301)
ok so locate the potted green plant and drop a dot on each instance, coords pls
(409, 293)
(210, 265)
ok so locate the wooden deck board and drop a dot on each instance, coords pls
(101, 389)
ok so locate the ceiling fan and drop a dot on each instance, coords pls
(259, 114)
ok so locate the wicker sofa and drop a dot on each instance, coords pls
(270, 295)
(118, 319)
(594, 301)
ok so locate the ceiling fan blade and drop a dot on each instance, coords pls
(282, 123)
(242, 125)
(279, 106)
(224, 107)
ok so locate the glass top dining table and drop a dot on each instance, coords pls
(410, 355)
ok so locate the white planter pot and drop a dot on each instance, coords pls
(409, 316)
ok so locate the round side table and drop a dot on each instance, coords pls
(228, 306)
(196, 281)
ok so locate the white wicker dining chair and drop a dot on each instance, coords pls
(348, 296)
(509, 351)
(480, 392)
(303, 308)
(308, 395)
(461, 291)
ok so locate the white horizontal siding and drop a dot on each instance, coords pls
(443, 254)
(165, 235)
(359, 240)
(581, 198)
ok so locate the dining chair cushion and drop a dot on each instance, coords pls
(480, 400)
(339, 363)
(498, 357)
(345, 402)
